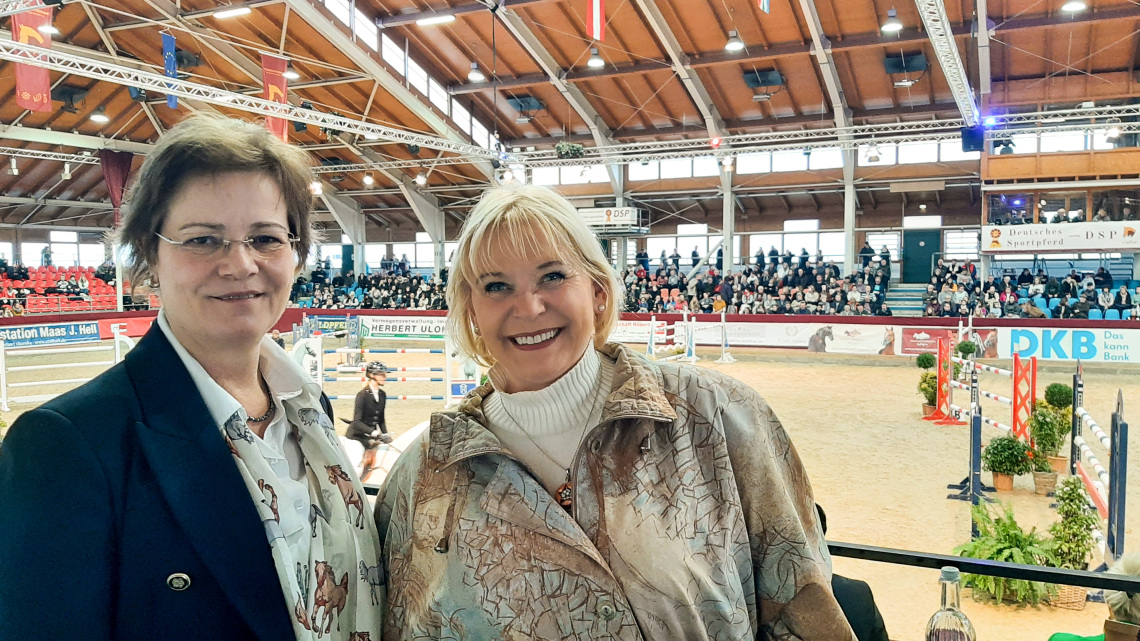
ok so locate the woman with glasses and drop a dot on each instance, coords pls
(196, 490)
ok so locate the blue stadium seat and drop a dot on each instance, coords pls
(1112, 314)
(1040, 302)
(1047, 312)
(1023, 292)
(1133, 284)
(1053, 302)
(1072, 300)
(1126, 314)
(1094, 314)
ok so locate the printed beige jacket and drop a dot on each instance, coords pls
(693, 519)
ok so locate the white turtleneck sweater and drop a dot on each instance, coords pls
(556, 418)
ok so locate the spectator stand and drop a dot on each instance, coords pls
(99, 297)
(1108, 490)
(121, 344)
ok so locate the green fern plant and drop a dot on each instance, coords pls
(1000, 538)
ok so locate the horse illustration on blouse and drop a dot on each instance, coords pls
(271, 499)
(371, 576)
(330, 595)
(347, 492)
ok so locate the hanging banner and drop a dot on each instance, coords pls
(602, 216)
(169, 65)
(276, 90)
(1116, 235)
(33, 86)
(1093, 345)
(596, 19)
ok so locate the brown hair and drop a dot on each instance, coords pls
(205, 145)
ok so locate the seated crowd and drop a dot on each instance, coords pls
(54, 289)
(782, 284)
(954, 291)
(397, 288)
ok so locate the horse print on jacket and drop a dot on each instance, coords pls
(272, 498)
(315, 513)
(371, 576)
(300, 614)
(330, 595)
(310, 417)
(237, 430)
(347, 492)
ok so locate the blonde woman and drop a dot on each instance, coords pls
(584, 492)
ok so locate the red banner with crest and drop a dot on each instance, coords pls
(33, 86)
(276, 90)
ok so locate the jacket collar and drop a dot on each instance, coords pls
(196, 475)
(637, 391)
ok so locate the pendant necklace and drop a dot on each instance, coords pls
(564, 495)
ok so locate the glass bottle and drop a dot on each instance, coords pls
(948, 623)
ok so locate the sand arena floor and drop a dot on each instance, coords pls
(878, 470)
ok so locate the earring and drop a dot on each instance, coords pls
(476, 330)
(601, 308)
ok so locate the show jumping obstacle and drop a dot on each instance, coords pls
(121, 344)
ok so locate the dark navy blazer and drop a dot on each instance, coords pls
(112, 488)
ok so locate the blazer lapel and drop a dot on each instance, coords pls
(197, 476)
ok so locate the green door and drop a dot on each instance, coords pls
(918, 250)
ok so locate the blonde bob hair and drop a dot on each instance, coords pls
(527, 222)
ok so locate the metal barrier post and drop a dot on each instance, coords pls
(725, 356)
(1117, 494)
(649, 346)
(115, 339)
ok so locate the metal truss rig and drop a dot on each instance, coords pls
(1077, 120)
(941, 34)
(9, 7)
(80, 66)
(78, 159)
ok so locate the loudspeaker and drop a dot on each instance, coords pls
(973, 138)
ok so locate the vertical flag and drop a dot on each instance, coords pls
(596, 19)
(169, 65)
(766, 6)
(33, 86)
(276, 90)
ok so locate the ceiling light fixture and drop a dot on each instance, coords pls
(315, 188)
(368, 179)
(48, 29)
(291, 73)
(508, 175)
(13, 168)
(905, 83)
(100, 116)
(372, 136)
(734, 43)
(595, 61)
(1113, 132)
(922, 207)
(726, 163)
(421, 179)
(893, 24)
(1074, 6)
(67, 171)
(435, 20)
(874, 155)
(524, 119)
(476, 74)
(232, 12)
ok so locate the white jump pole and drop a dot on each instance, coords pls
(725, 356)
(650, 350)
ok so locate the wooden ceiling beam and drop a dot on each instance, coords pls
(906, 37)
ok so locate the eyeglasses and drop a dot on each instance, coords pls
(265, 245)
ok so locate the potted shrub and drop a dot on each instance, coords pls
(1072, 536)
(567, 149)
(1047, 427)
(926, 360)
(928, 387)
(1059, 396)
(1002, 539)
(1006, 457)
(966, 349)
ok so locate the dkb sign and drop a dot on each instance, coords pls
(1098, 345)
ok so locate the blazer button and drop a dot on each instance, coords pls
(178, 581)
(606, 610)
